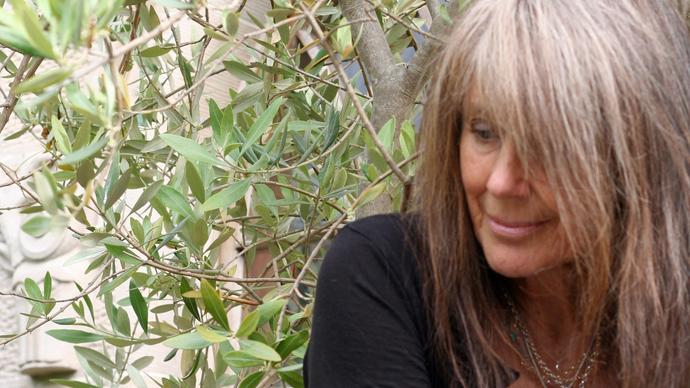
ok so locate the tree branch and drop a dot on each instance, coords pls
(371, 128)
(432, 6)
(417, 70)
(371, 41)
(23, 72)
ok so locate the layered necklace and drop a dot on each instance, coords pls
(574, 376)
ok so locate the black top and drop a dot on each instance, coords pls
(370, 325)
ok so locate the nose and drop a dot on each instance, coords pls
(507, 176)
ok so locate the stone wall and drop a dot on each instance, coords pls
(31, 360)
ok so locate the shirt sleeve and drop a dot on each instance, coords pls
(365, 330)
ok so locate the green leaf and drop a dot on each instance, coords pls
(74, 336)
(238, 359)
(269, 309)
(332, 128)
(47, 285)
(192, 340)
(118, 189)
(231, 23)
(60, 135)
(216, 118)
(146, 196)
(39, 82)
(86, 254)
(293, 379)
(386, 134)
(143, 362)
(189, 149)
(135, 376)
(46, 188)
(10, 66)
(87, 300)
(259, 350)
(98, 358)
(261, 124)
(213, 303)
(33, 28)
(65, 321)
(190, 303)
(81, 104)
(194, 181)
(139, 305)
(85, 152)
(407, 139)
(209, 335)
(32, 290)
(16, 40)
(122, 323)
(252, 381)
(176, 4)
(227, 196)
(175, 201)
(249, 324)
(156, 51)
(290, 343)
(72, 383)
(37, 226)
(241, 71)
(123, 277)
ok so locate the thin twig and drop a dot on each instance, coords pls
(87, 290)
(23, 72)
(131, 45)
(432, 6)
(331, 229)
(217, 62)
(404, 23)
(353, 97)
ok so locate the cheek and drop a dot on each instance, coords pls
(474, 174)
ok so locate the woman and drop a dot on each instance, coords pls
(549, 242)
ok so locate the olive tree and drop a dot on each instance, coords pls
(153, 176)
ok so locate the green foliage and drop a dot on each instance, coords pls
(159, 189)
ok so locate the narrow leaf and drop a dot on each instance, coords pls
(259, 350)
(192, 340)
(261, 124)
(37, 226)
(86, 152)
(227, 196)
(213, 304)
(249, 324)
(194, 181)
(139, 305)
(146, 196)
(175, 201)
(190, 303)
(189, 149)
(118, 189)
(74, 336)
(210, 335)
(96, 357)
(47, 285)
(60, 136)
(39, 82)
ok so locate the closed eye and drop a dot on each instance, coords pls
(483, 131)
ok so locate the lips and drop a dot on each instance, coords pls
(514, 229)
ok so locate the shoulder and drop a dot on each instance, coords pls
(369, 322)
(385, 245)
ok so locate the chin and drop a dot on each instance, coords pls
(513, 268)
(523, 265)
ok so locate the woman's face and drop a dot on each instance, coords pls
(515, 217)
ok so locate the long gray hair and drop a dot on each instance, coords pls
(598, 92)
